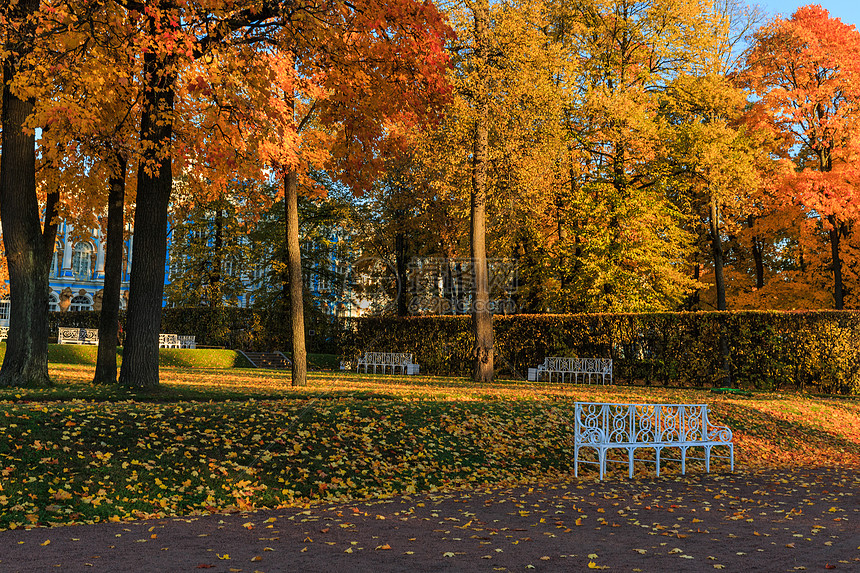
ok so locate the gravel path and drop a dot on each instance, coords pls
(770, 521)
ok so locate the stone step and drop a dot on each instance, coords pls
(274, 360)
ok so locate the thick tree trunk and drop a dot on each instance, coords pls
(838, 294)
(26, 360)
(154, 183)
(482, 319)
(717, 251)
(109, 318)
(294, 273)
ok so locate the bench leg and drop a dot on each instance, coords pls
(683, 460)
(576, 461)
(630, 452)
(707, 459)
(601, 457)
(658, 449)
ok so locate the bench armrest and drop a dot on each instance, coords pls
(719, 433)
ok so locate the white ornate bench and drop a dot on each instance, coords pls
(4, 332)
(387, 361)
(575, 367)
(630, 427)
(74, 335)
(168, 341)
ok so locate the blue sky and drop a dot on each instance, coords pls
(846, 10)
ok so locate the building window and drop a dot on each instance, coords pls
(53, 302)
(56, 259)
(81, 302)
(82, 261)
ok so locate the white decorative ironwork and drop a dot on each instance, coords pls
(74, 335)
(168, 341)
(605, 427)
(388, 362)
(187, 341)
(575, 367)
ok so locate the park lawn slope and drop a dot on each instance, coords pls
(179, 357)
(204, 442)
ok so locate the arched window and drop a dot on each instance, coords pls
(82, 261)
(56, 259)
(125, 268)
(4, 308)
(53, 302)
(81, 302)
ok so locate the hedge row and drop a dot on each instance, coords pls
(766, 350)
(236, 328)
(813, 351)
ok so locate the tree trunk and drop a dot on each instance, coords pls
(717, 251)
(154, 183)
(758, 256)
(109, 318)
(482, 319)
(294, 274)
(838, 294)
(215, 297)
(401, 261)
(26, 359)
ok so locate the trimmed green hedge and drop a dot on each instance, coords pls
(813, 351)
(229, 327)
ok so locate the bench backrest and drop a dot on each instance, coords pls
(564, 364)
(387, 358)
(168, 340)
(70, 333)
(640, 423)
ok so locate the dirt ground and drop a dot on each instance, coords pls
(768, 521)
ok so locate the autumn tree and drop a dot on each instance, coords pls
(26, 360)
(359, 63)
(88, 118)
(805, 75)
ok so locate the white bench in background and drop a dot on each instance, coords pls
(629, 427)
(575, 367)
(168, 341)
(74, 335)
(187, 341)
(387, 362)
(4, 332)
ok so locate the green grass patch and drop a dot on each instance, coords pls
(87, 354)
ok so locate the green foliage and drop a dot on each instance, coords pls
(771, 350)
(209, 254)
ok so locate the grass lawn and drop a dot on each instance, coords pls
(212, 439)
